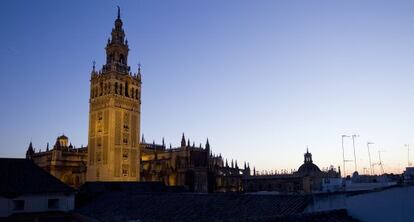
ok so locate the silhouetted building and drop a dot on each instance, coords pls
(309, 178)
(26, 188)
(409, 175)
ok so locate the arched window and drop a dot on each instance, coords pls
(120, 89)
(136, 94)
(111, 57)
(126, 89)
(121, 59)
(101, 89)
(116, 88)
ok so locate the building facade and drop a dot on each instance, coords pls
(196, 168)
(63, 161)
(114, 115)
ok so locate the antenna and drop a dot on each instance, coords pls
(369, 157)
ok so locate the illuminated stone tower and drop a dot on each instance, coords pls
(114, 115)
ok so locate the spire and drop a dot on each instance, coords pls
(227, 164)
(119, 12)
(183, 141)
(93, 66)
(207, 145)
(30, 151)
(163, 143)
(142, 139)
(139, 69)
(308, 156)
(47, 146)
(117, 49)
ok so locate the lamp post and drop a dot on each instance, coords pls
(380, 161)
(343, 154)
(408, 153)
(369, 157)
(353, 144)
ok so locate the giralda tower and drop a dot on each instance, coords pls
(114, 115)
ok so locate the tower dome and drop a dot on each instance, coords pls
(308, 167)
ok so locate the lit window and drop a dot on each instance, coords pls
(125, 155)
(125, 170)
(98, 156)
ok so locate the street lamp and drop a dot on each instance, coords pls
(353, 144)
(408, 153)
(343, 154)
(369, 157)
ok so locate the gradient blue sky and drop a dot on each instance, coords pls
(260, 79)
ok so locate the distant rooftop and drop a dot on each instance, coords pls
(22, 176)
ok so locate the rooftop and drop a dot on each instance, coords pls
(22, 176)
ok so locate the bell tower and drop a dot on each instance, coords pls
(114, 114)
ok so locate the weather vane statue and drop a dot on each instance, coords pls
(119, 11)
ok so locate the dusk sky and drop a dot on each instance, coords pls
(261, 79)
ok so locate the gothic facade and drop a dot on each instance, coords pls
(63, 160)
(197, 168)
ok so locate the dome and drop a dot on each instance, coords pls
(308, 167)
(63, 137)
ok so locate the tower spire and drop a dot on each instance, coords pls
(183, 141)
(117, 49)
(119, 12)
(207, 145)
(139, 68)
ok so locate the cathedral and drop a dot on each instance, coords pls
(115, 152)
